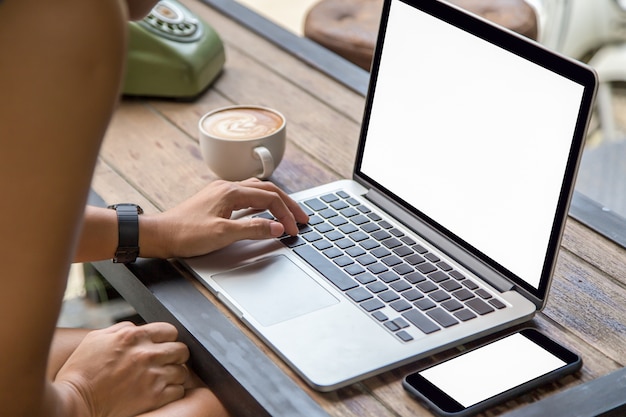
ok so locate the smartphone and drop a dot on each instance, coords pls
(489, 374)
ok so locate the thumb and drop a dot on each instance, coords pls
(256, 228)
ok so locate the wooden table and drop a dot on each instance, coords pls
(150, 156)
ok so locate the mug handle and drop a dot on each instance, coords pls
(267, 161)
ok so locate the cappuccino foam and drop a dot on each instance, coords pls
(242, 123)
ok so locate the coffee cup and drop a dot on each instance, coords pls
(242, 141)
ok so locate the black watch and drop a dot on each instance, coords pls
(128, 232)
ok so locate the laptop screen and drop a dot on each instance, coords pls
(476, 138)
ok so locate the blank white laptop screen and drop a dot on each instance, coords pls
(479, 149)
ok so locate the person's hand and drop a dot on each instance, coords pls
(125, 370)
(202, 223)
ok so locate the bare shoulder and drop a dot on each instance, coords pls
(61, 66)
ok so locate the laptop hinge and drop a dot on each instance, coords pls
(440, 241)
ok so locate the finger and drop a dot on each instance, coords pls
(160, 332)
(299, 214)
(256, 228)
(262, 199)
(170, 353)
(116, 327)
(175, 374)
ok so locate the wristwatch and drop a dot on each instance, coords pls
(128, 232)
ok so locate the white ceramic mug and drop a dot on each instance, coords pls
(243, 141)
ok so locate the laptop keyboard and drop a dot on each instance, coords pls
(393, 278)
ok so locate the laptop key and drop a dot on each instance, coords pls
(424, 304)
(426, 268)
(293, 241)
(322, 245)
(470, 284)
(370, 227)
(450, 285)
(377, 268)
(442, 317)
(400, 305)
(463, 294)
(412, 295)
(359, 294)
(392, 243)
(372, 305)
(479, 306)
(366, 260)
(439, 296)
(326, 268)
(400, 286)
(415, 259)
(438, 276)
(452, 305)
(457, 275)
(404, 336)
(403, 269)
(497, 303)
(354, 269)
(415, 277)
(484, 294)
(369, 244)
(388, 296)
(359, 219)
(365, 278)
(349, 212)
(348, 228)
(315, 204)
(329, 198)
(355, 251)
(377, 287)
(403, 251)
(420, 321)
(380, 316)
(339, 205)
(388, 277)
(464, 315)
(380, 252)
(332, 252)
(401, 323)
(427, 286)
(343, 260)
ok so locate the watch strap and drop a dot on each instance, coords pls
(128, 232)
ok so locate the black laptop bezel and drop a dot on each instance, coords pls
(528, 49)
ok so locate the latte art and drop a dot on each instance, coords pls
(242, 123)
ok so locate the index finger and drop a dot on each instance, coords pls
(285, 209)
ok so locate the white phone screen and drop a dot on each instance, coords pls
(487, 371)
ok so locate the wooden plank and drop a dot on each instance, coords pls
(585, 301)
(604, 221)
(153, 155)
(601, 397)
(595, 249)
(112, 188)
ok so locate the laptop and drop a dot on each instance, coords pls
(450, 227)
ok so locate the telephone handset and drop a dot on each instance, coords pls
(172, 53)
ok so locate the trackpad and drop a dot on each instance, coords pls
(274, 289)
